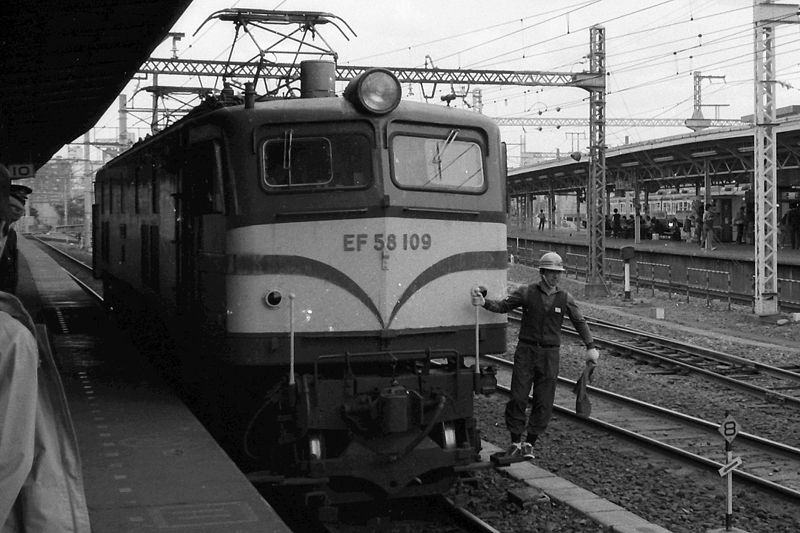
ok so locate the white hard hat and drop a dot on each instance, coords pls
(551, 261)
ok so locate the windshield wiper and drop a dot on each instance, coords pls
(287, 149)
(437, 158)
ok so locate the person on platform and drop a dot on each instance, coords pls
(631, 231)
(674, 229)
(707, 239)
(699, 212)
(9, 258)
(542, 219)
(739, 221)
(537, 356)
(688, 226)
(645, 227)
(793, 225)
(616, 224)
(40, 477)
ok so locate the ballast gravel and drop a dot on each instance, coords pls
(659, 489)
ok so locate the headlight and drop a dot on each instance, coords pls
(375, 91)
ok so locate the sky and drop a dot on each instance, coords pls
(653, 48)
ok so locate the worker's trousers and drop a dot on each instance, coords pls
(535, 366)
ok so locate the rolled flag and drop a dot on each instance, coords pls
(583, 406)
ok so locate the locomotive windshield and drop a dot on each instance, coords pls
(329, 162)
(447, 164)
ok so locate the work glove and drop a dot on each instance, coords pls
(592, 355)
(478, 295)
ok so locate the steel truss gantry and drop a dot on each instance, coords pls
(766, 16)
(613, 122)
(284, 71)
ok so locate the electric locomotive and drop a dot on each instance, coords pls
(314, 258)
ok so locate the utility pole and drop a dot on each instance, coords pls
(766, 16)
(87, 194)
(596, 188)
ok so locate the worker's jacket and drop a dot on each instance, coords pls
(542, 314)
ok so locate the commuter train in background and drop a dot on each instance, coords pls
(666, 203)
(313, 258)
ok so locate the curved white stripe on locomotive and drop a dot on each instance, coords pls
(363, 274)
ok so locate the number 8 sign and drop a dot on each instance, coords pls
(729, 428)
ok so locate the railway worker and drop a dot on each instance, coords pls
(9, 259)
(537, 356)
(39, 471)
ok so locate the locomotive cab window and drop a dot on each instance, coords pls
(331, 162)
(449, 163)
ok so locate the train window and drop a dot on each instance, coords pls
(447, 164)
(122, 185)
(203, 179)
(330, 162)
(104, 197)
(153, 189)
(136, 185)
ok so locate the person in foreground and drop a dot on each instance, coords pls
(41, 485)
(537, 356)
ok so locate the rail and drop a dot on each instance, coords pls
(683, 435)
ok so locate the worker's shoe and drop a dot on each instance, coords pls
(527, 450)
(515, 451)
(520, 450)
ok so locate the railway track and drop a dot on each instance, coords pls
(768, 464)
(767, 382)
(78, 270)
(436, 514)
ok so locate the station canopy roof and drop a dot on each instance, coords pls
(679, 161)
(65, 62)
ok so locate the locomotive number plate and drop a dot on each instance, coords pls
(356, 242)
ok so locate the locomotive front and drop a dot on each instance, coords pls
(315, 257)
(362, 227)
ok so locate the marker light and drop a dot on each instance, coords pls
(375, 91)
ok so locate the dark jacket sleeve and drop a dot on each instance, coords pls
(576, 317)
(512, 301)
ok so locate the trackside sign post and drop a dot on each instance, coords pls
(729, 429)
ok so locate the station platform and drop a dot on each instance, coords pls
(148, 464)
(727, 250)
